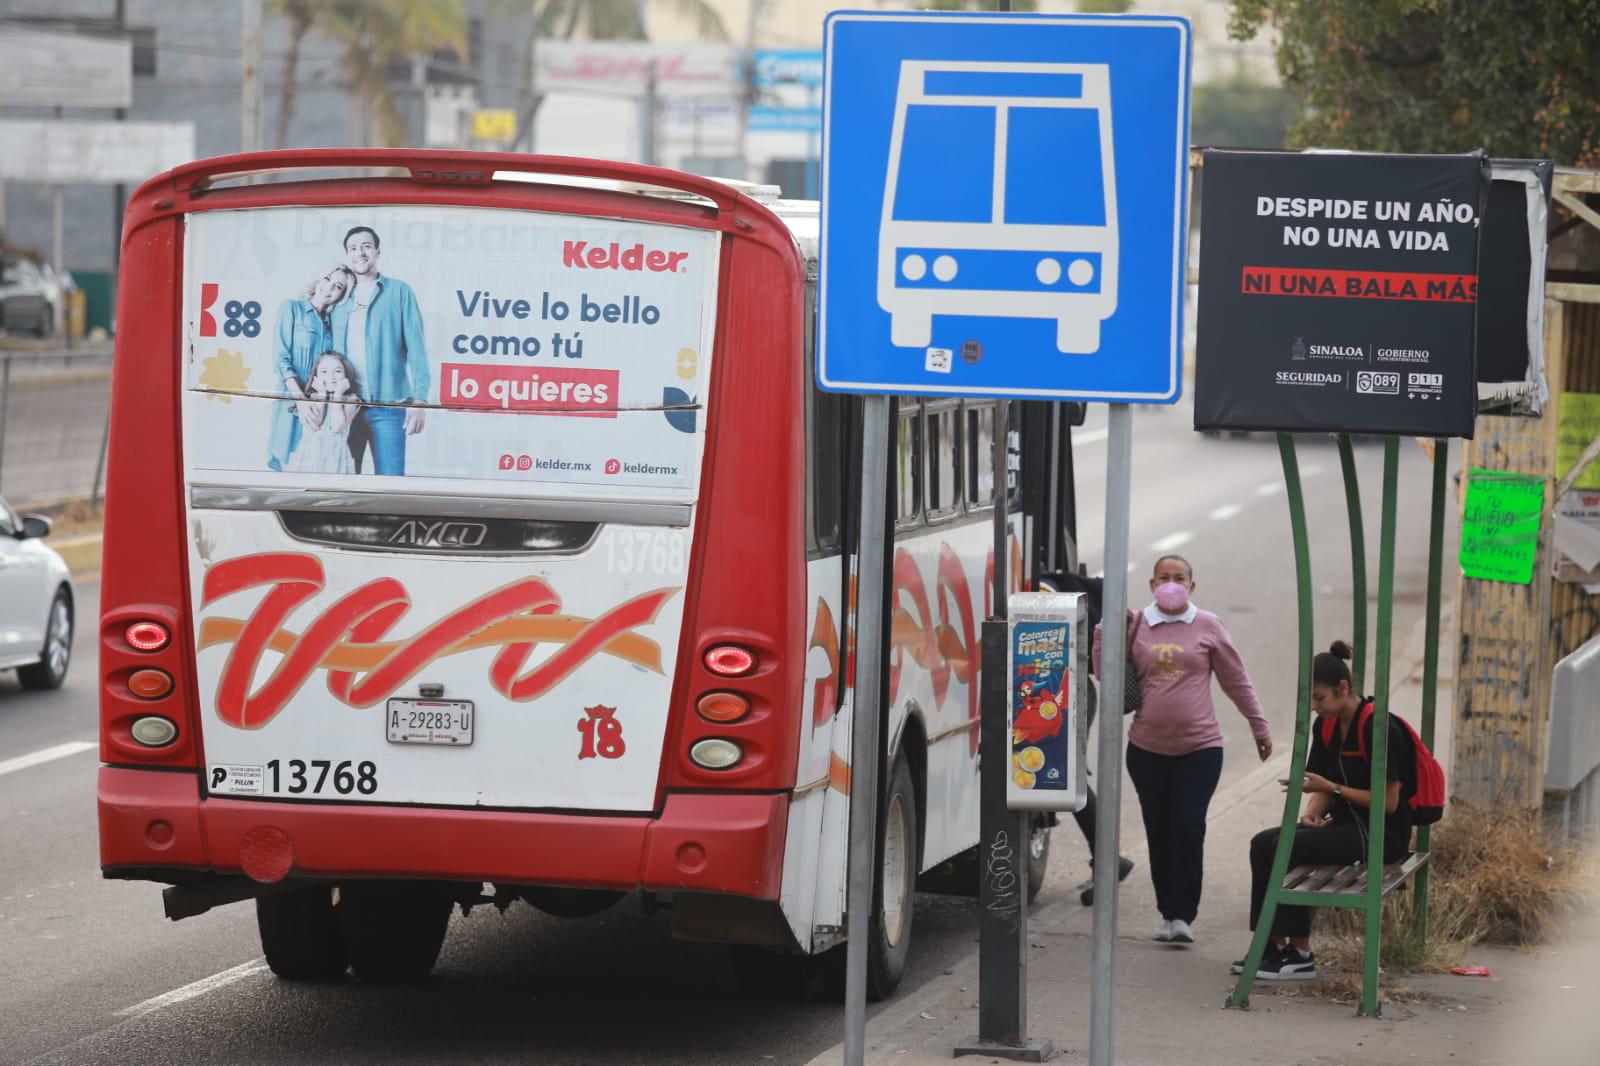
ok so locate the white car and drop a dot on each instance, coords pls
(36, 602)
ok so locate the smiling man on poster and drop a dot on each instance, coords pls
(380, 327)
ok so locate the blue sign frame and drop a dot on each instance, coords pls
(1004, 205)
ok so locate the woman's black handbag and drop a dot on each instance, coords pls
(1132, 691)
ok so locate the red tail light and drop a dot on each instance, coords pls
(723, 707)
(147, 636)
(730, 660)
(150, 684)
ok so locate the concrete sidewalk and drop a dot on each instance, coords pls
(1537, 1007)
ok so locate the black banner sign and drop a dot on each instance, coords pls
(1338, 292)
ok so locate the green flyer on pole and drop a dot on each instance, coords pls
(1500, 526)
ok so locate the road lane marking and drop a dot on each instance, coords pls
(1090, 436)
(1225, 512)
(1311, 470)
(195, 989)
(1172, 541)
(1271, 488)
(44, 755)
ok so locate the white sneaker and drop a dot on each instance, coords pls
(1164, 934)
(1181, 933)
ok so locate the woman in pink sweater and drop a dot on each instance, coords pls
(1175, 743)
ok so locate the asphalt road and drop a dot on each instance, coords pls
(93, 973)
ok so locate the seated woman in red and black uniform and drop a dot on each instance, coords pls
(1333, 831)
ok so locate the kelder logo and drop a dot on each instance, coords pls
(613, 256)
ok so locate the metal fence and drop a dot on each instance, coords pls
(54, 413)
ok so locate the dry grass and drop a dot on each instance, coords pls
(70, 518)
(1496, 879)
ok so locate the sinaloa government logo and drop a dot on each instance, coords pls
(1308, 377)
(1298, 352)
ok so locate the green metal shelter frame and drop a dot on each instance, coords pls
(1363, 885)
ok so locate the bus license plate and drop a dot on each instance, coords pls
(430, 722)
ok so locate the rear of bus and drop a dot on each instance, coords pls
(436, 554)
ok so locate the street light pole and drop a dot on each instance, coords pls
(250, 79)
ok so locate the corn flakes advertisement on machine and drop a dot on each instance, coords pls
(1047, 660)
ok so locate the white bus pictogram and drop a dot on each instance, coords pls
(1000, 199)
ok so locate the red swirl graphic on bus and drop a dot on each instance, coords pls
(347, 638)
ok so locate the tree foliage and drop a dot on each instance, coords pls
(1241, 113)
(1520, 78)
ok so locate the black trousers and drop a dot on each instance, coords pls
(1339, 844)
(1174, 794)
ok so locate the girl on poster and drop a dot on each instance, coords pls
(303, 334)
(331, 404)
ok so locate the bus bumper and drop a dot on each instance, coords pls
(154, 823)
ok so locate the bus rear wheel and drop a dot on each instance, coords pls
(300, 934)
(393, 929)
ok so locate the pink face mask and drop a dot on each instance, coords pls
(1172, 597)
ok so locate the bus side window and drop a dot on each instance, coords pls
(908, 464)
(825, 443)
(980, 454)
(942, 488)
(828, 412)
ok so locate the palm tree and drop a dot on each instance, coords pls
(377, 35)
(301, 14)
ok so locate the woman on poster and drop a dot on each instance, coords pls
(302, 336)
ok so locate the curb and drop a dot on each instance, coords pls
(81, 554)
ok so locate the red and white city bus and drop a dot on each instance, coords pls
(479, 524)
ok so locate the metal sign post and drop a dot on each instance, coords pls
(865, 758)
(1043, 262)
(1113, 666)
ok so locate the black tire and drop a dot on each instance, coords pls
(56, 654)
(393, 929)
(300, 934)
(890, 932)
(1038, 854)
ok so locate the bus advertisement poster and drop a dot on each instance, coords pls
(1046, 673)
(1339, 292)
(466, 350)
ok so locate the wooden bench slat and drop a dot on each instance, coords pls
(1319, 880)
(1351, 880)
(1350, 875)
(1298, 874)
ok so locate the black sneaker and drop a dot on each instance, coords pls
(1292, 964)
(1269, 958)
(1124, 868)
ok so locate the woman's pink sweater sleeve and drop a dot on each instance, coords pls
(1229, 668)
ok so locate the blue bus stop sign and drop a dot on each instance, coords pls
(1004, 205)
